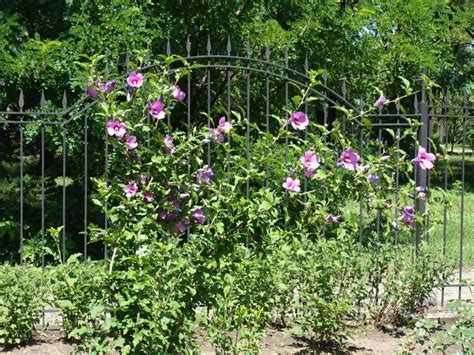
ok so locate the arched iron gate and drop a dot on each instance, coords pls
(236, 74)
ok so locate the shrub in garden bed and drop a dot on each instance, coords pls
(409, 283)
(187, 234)
(22, 295)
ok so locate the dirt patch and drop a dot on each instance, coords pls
(275, 342)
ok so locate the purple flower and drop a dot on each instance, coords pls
(408, 216)
(178, 94)
(373, 179)
(292, 185)
(179, 227)
(224, 126)
(156, 110)
(109, 86)
(135, 80)
(330, 218)
(116, 128)
(131, 142)
(421, 192)
(216, 135)
(380, 101)
(204, 175)
(424, 159)
(92, 91)
(130, 190)
(169, 147)
(348, 159)
(198, 215)
(148, 196)
(299, 120)
(310, 163)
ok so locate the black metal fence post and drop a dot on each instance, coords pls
(421, 174)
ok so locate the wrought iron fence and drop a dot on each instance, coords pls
(39, 142)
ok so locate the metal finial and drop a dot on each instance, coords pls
(448, 96)
(325, 76)
(286, 57)
(267, 53)
(168, 47)
(464, 97)
(361, 103)
(209, 44)
(42, 100)
(64, 102)
(229, 45)
(416, 102)
(344, 90)
(21, 100)
(247, 48)
(306, 64)
(188, 46)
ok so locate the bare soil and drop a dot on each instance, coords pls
(275, 342)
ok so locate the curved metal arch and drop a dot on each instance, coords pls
(236, 67)
(271, 64)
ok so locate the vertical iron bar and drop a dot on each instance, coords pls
(42, 105)
(421, 174)
(42, 197)
(428, 148)
(106, 170)
(188, 52)
(168, 53)
(64, 197)
(325, 123)
(229, 91)
(247, 133)
(397, 175)
(267, 111)
(147, 90)
(64, 191)
(306, 69)
(463, 171)
(85, 184)
(286, 105)
(445, 210)
(20, 104)
(361, 197)
(344, 91)
(209, 99)
(43, 265)
(377, 241)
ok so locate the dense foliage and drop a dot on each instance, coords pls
(208, 234)
(22, 293)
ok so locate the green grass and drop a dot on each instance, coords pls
(452, 239)
(453, 209)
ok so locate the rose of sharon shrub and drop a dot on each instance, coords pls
(175, 223)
